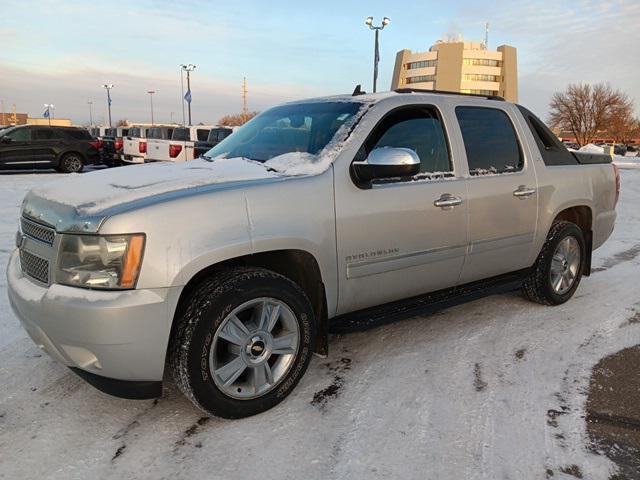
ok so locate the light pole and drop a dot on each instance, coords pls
(376, 56)
(90, 113)
(187, 96)
(50, 108)
(108, 87)
(151, 92)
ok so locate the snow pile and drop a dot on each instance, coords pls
(591, 148)
(98, 191)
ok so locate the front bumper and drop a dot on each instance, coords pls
(115, 335)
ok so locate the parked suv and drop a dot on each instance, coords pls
(230, 267)
(67, 149)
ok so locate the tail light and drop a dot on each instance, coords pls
(174, 150)
(96, 144)
(119, 144)
(142, 147)
(617, 172)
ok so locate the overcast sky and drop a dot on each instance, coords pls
(61, 51)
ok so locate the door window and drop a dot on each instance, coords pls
(202, 134)
(44, 134)
(419, 129)
(489, 140)
(19, 135)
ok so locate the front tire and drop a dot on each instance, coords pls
(71, 163)
(243, 342)
(558, 269)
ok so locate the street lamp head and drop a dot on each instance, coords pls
(385, 21)
(107, 86)
(151, 92)
(369, 21)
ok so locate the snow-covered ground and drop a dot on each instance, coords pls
(491, 389)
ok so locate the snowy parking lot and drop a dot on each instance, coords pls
(496, 388)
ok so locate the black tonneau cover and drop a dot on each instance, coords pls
(585, 158)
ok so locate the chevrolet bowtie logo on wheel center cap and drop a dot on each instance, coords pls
(256, 347)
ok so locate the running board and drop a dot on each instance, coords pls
(425, 304)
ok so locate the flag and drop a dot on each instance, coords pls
(46, 113)
(109, 100)
(187, 96)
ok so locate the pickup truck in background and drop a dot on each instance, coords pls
(230, 267)
(112, 143)
(134, 149)
(216, 135)
(179, 147)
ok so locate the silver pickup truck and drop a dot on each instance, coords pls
(231, 267)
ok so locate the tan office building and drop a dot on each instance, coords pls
(465, 67)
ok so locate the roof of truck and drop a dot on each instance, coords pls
(360, 96)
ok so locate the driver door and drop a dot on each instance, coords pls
(393, 242)
(16, 153)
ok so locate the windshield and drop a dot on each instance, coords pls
(303, 128)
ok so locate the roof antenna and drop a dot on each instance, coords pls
(358, 91)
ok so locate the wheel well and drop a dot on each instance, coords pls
(582, 217)
(297, 265)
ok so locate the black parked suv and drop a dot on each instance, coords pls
(67, 149)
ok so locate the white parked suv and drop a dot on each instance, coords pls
(230, 267)
(179, 146)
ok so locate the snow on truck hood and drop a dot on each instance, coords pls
(90, 194)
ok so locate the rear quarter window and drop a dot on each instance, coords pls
(77, 134)
(552, 150)
(490, 140)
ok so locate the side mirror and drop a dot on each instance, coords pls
(387, 162)
(5, 140)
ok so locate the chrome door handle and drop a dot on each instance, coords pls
(447, 201)
(523, 191)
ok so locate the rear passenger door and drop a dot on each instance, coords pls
(45, 144)
(502, 193)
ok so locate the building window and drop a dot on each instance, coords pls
(479, 92)
(421, 78)
(422, 64)
(475, 77)
(481, 62)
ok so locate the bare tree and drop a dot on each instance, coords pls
(123, 122)
(585, 110)
(623, 126)
(237, 119)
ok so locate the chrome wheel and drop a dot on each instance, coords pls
(72, 164)
(254, 348)
(565, 264)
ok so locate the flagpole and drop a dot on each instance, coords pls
(189, 91)
(182, 91)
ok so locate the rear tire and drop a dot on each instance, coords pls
(557, 272)
(71, 163)
(231, 359)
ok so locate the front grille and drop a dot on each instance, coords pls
(37, 231)
(34, 266)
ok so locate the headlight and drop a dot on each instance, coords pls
(104, 262)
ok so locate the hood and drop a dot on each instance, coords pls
(80, 202)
